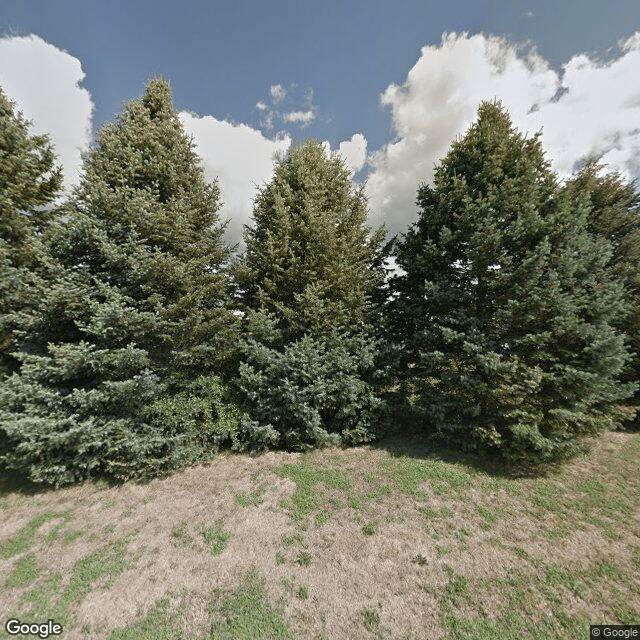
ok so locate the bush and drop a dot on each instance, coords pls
(315, 391)
(204, 418)
(118, 429)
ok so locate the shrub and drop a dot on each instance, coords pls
(315, 391)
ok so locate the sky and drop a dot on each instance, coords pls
(388, 85)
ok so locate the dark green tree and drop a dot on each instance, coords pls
(136, 314)
(614, 214)
(506, 312)
(309, 274)
(309, 252)
(29, 183)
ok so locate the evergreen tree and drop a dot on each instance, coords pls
(309, 273)
(505, 311)
(29, 182)
(614, 214)
(309, 254)
(136, 312)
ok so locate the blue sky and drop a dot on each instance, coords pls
(284, 70)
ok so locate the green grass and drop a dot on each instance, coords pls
(290, 539)
(518, 603)
(531, 591)
(181, 537)
(420, 560)
(446, 479)
(40, 599)
(158, 624)
(247, 614)
(371, 620)
(322, 517)
(378, 494)
(108, 562)
(216, 538)
(24, 537)
(24, 573)
(47, 600)
(307, 476)
(489, 516)
(253, 499)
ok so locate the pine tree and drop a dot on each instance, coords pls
(505, 311)
(311, 269)
(29, 183)
(309, 246)
(614, 214)
(136, 312)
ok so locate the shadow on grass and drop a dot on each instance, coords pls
(15, 482)
(412, 436)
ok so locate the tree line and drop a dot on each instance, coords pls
(134, 340)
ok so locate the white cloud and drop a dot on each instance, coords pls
(240, 157)
(590, 108)
(278, 93)
(44, 82)
(354, 151)
(303, 117)
(292, 106)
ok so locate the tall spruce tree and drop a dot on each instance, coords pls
(137, 310)
(506, 310)
(29, 183)
(614, 214)
(309, 253)
(310, 270)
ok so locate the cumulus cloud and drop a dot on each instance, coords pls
(278, 93)
(240, 157)
(44, 82)
(303, 117)
(590, 108)
(353, 152)
(291, 106)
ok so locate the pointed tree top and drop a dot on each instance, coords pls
(158, 97)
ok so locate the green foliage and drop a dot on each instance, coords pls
(614, 215)
(29, 182)
(310, 258)
(313, 392)
(206, 416)
(505, 315)
(135, 311)
(311, 270)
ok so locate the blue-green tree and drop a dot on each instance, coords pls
(309, 274)
(506, 313)
(29, 183)
(135, 314)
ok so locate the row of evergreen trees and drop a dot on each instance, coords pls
(133, 341)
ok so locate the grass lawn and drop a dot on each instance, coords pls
(393, 541)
